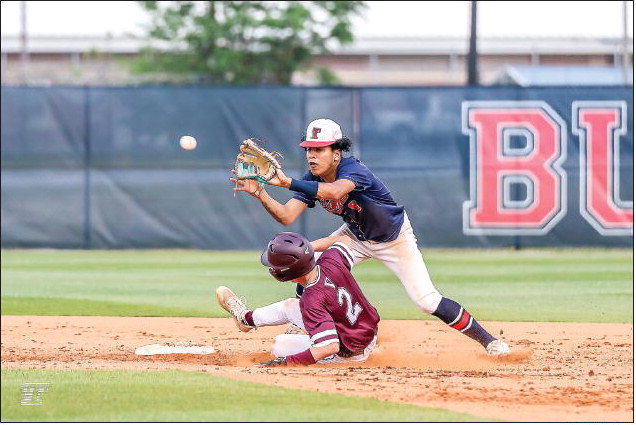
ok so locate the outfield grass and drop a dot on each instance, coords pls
(575, 285)
(176, 396)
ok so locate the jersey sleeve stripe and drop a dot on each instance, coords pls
(323, 334)
(326, 342)
(344, 249)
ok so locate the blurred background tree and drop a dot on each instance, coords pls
(242, 42)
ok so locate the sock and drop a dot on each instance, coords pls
(455, 316)
(248, 320)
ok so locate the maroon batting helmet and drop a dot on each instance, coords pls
(288, 255)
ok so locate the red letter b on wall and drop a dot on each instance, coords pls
(517, 185)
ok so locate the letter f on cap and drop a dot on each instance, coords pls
(321, 132)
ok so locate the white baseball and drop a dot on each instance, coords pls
(188, 142)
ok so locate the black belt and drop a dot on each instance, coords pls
(344, 352)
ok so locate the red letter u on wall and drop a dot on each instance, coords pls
(599, 125)
(517, 185)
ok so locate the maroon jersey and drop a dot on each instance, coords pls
(333, 307)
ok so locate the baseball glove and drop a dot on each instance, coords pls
(256, 163)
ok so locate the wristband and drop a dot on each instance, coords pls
(303, 358)
(309, 188)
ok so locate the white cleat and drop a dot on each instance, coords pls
(497, 348)
(233, 305)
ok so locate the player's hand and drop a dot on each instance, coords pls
(250, 186)
(278, 361)
(280, 179)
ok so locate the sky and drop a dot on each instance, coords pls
(382, 18)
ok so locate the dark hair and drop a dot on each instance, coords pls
(343, 144)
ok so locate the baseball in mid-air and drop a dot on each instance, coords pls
(188, 142)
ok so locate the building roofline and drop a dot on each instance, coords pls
(64, 44)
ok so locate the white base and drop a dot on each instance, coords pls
(174, 348)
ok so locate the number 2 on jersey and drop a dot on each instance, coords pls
(353, 310)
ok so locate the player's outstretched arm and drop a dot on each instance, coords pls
(307, 357)
(320, 353)
(321, 244)
(285, 214)
(335, 190)
(313, 189)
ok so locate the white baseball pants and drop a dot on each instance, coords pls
(404, 259)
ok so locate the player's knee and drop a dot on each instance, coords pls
(291, 306)
(429, 302)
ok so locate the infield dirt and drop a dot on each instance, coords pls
(557, 372)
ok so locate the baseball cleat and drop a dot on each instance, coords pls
(233, 305)
(497, 348)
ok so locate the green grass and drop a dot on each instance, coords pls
(576, 285)
(582, 285)
(176, 396)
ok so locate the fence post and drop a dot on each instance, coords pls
(303, 217)
(87, 169)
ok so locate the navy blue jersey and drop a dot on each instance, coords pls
(369, 210)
